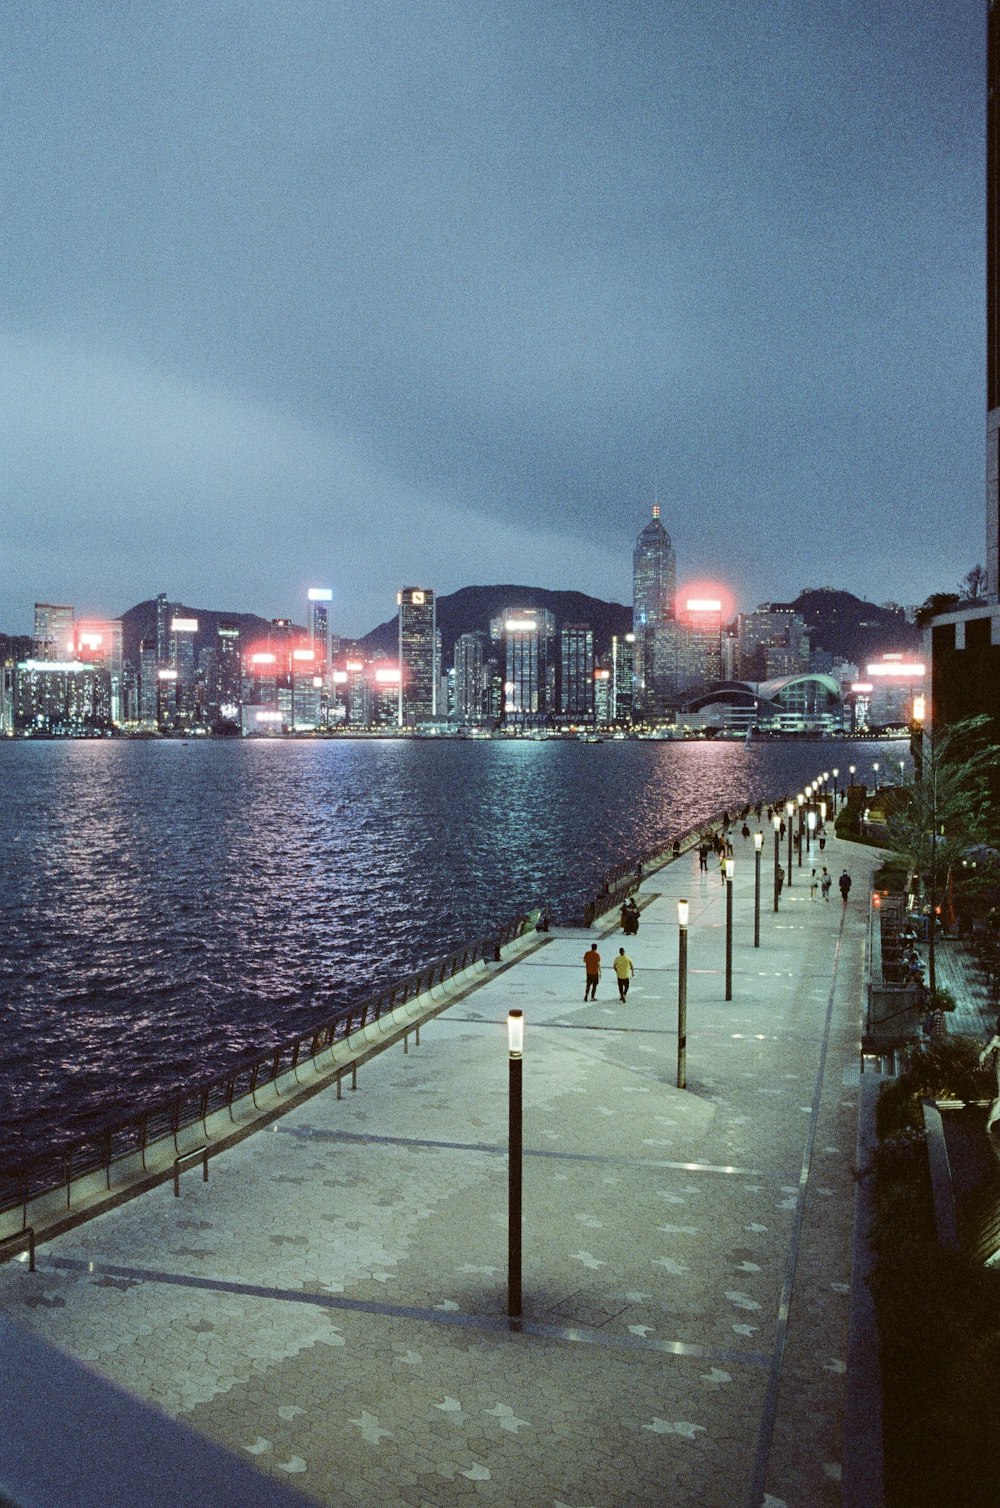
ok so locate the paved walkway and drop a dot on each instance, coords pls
(330, 1305)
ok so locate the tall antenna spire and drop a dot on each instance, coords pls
(656, 494)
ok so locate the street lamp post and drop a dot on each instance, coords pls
(682, 993)
(789, 812)
(515, 1048)
(758, 844)
(730, 871)
(777, 858)
(835, 772)
(801, 801)
(875, 768)
(811, 824)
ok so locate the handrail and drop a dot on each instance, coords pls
(622, 879)
(17, 1242)
(58, 1168)
(195, 1152)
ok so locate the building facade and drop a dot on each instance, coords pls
(53, 637)
(622, 677)
(417, 690)
(319, 600)
(526, 637)
(576, 665)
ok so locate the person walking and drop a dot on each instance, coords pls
(825, 881)
(722, 866)
(845, 886)
(624, 972)
(703, 856)
(592, 964)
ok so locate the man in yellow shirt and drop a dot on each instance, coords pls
(624, 970)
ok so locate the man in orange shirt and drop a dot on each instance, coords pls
(592, 964)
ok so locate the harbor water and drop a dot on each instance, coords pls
(169, 907)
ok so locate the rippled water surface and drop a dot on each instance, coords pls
(166, 907)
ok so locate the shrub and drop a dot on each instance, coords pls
(941, 1069)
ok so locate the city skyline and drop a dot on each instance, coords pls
(459, 295)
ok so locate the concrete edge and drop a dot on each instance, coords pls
(863, 1456)
(53, 1213)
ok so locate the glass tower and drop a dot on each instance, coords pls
(417, 656)
(654, 576)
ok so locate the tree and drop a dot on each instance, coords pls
(974, 584)
(937, 602)
(947, 810)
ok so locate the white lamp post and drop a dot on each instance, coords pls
(515, 1048)
(682, 992)
(730, 871)
(758, 844)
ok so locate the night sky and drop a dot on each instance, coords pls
(368, 294)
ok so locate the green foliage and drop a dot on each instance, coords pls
(938, 817)
(891, 876)
(848, 821)
(938, 1315)
(942, 1069)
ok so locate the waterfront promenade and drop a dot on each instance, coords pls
(330, 1305)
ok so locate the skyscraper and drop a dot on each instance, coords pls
(320, 598)
(622, 677)
(654, 575)
(529, 668)
(576, 689)
(654, 586)
(417, 656)
(53, 638)
(471, 679)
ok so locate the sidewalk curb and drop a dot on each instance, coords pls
(862, 1478)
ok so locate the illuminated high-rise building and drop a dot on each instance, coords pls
(654, 587)
(576, 660)
(773, 641)
(99, 643)
(702, 617)
(53, 638)
(182, 662)
(654, 576)
(529, 672)
(418, 656)
(472, 679)
(622, 677)
(602, 697)
(164, 613)
(230, 669)
(61, 696)
(320, 598)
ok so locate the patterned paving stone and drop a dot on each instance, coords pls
(332, 1304)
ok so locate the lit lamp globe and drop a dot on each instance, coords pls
(515, 1033)
(683, 910)
(758, 841)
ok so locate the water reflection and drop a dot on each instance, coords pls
(164, 904)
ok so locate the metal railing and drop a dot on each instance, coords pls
(94, 1155)
(622, 879)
